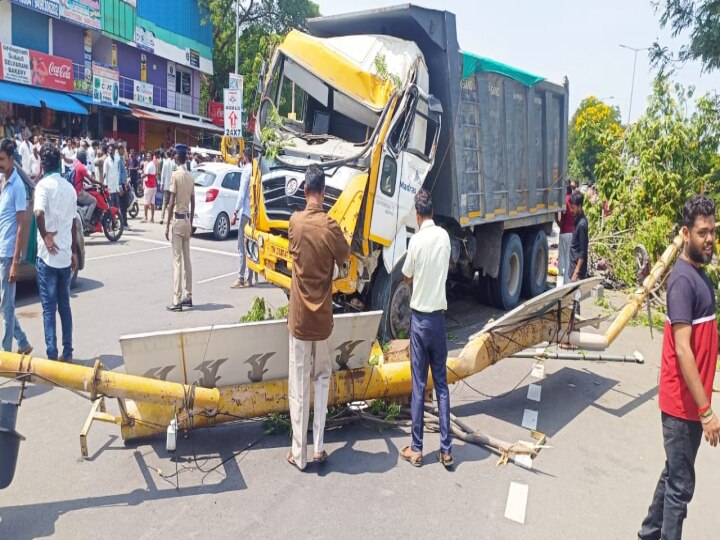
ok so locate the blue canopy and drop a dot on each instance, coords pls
(17, 93)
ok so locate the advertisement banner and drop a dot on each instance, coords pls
(83, 85)
(51, 72)
(143, 92)
(106, 85)
(232, 112)
(16, 64)
(48, 7)
(193, 58)
(82, 12)
(144, 39)
(171, 81)
(215, 113)
(236, 81)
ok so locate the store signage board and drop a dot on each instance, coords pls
(232, 104)
(144, 39)
(142, 93)
(34, 68)
(106, 86)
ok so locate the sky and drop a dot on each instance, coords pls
(579, 39)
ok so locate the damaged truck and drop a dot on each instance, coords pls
(386, 102)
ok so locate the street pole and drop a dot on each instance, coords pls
(632, 85)
(237, 31)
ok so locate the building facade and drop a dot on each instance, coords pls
(129, 69)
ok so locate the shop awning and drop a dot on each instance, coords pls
(19, 94)
(59, 101)
(178, 120)
(87, 100)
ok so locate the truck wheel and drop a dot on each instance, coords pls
(536, 264)
(392, 295)
(505, 288)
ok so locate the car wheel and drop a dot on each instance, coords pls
(221, 230)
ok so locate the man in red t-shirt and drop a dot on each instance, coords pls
(82, 174)
(689, 355)
(566, 222)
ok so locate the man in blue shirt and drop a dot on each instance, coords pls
(242, 212)
(13, 204)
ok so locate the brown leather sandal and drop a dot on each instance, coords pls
(291, 460)
(413, 458)
(320, 458)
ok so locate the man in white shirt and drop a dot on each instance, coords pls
(55, 209)
(111, 175)
(195, 163)
(68, 156)
(25, 151)
(426, 269)
(169, 167)
(242, 212)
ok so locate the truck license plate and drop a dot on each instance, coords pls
(280, 252)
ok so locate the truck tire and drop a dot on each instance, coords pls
(506, 287)
(536, 264)
(392, 295)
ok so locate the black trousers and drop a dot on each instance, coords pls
(676, 486)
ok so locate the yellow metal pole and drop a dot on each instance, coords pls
(388, 380)
(638, 298)
(98, 381)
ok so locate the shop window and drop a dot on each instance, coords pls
(183, 83)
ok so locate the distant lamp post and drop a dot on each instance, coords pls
(236, 5)
(632, 85)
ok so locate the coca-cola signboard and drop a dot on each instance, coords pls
(216, 113)
(51, 72)
(35, 68)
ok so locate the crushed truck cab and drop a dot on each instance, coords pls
(386, 103)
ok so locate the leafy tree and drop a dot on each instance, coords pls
(591, 125)
(262, 23)
(649, 171)
(701, 18)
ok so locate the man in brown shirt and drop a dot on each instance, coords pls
(316, 245)
(181, 211)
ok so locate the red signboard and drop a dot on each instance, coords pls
(51, 72)
(35, 68)
(215, 112)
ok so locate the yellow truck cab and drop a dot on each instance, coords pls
(387, 103)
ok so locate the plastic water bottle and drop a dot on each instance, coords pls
(171, 442)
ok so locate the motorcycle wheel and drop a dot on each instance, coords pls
(113, 231)
(134, 210)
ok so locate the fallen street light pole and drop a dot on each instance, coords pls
(635, 358)
(149, 405)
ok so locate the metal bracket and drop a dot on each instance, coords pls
(97, 412)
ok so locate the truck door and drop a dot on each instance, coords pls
(407, 157)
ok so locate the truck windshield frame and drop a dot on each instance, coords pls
(312, 106)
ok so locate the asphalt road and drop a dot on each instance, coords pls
(595, 482)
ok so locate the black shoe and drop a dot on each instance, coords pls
(174, 307)
(187, 302)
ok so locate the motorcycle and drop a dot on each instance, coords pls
(105, 219)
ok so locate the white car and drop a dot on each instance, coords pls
(216, 193)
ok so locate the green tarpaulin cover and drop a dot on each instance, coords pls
(473, 64)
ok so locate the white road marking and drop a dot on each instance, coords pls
(193, 248)
(524, 460)
(214, 278)
(112, 255)
(516, 502)
(530, 419)
(538, 370)
(534, 391)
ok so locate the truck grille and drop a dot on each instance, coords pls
(279, 206)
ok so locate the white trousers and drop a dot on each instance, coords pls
(308, 359)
